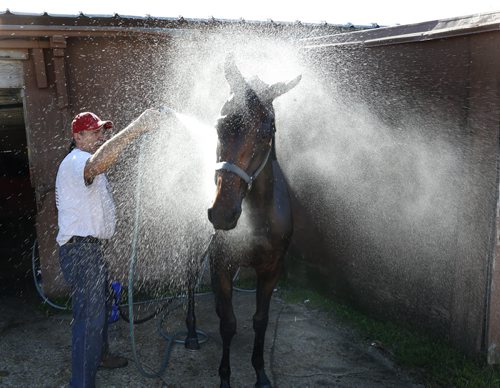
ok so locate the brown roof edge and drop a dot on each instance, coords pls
(435, 34)
(437, 29)
(38, 31)
(8, 18)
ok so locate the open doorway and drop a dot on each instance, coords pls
(17, 197)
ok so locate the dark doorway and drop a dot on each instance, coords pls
(17, 197)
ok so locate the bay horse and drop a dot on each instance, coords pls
(247, 169)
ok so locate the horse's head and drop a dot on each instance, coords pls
(245, 131)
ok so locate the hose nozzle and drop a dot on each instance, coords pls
(166, 110)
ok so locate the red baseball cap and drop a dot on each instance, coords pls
(88, 121)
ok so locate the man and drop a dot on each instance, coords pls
(86, 218)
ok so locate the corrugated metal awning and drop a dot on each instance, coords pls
(439, 29)
(83, 24)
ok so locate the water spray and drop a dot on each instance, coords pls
(171, 339)
(117, 289)
(132, 263)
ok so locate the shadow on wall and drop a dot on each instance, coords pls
(382, 184)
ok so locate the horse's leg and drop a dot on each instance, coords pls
(266, 281)
(191, 341)
(223, 287)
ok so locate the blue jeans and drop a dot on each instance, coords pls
(84, 269)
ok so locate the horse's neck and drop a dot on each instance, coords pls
(262, 190)
(263, 185)
(268, 208)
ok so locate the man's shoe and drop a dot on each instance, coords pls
(110, 361)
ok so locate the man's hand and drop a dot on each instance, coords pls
(148, 120)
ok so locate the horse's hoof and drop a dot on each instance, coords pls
(192, 344)
(224, 384)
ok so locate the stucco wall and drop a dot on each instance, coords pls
(117, 79)
(390, 153)
(408, 197)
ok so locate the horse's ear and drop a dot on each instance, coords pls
(233, 75)
(279, 88)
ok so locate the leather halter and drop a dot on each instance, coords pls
(228, 166)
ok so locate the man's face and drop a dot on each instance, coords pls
(90, 141)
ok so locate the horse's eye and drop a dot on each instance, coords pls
(265, 130)
(261, 133)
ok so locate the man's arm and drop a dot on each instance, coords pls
(107, 154)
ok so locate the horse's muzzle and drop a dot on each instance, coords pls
(224, 220)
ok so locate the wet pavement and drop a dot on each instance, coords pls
(304, 348)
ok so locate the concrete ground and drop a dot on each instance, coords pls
(304, 348)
